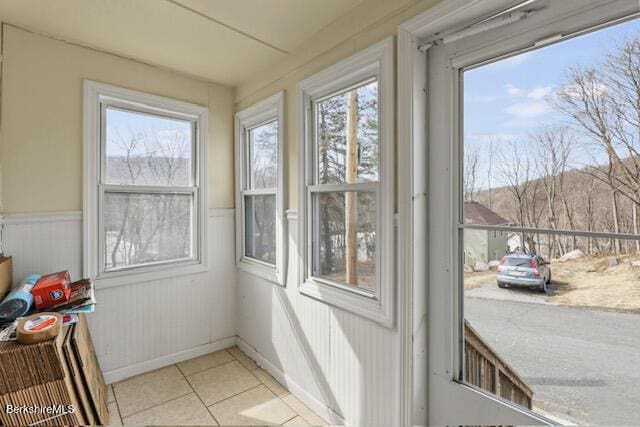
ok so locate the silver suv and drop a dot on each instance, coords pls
(524, 270)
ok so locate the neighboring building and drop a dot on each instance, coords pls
(483, 245)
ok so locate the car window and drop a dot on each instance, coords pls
(517, 262)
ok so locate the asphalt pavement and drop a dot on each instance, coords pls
(583, 364)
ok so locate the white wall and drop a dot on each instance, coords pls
(328, 357)
(140, 327)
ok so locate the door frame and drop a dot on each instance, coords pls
(450, 402)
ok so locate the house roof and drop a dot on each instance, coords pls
(477, 213)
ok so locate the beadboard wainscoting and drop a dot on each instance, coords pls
(345, 367)
(144, 326)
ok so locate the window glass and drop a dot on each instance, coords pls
(551, 155)
(142, 149)
(146, 228)
(260, 227)
(347, 125)
(263, 156)
(345, 238)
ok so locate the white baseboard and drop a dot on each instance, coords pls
(120, 374)
(317, 406)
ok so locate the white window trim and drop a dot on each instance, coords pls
(428, 324)
(264, 111)
(375, 61)
(94, 94)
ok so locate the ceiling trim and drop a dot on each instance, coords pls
(204, 15)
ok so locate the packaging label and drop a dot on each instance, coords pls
(40, 323)
(54, 295)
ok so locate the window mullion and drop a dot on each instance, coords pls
(360, 186)
(142, 189)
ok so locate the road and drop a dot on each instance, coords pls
(583, 365)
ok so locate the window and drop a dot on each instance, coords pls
(259, 181)
(144, 196)
(346, 200)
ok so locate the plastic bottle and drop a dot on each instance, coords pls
(19, 301)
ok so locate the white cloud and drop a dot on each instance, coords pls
(513, 90)
(527, 109)
(539, 92)
(596, 89)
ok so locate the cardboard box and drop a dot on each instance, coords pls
(61, 371)
(6, 276)
(91, 373)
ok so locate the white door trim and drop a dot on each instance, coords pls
(468, 404)
(450, 402)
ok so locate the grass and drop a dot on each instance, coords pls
(590, 282)
(585, 282)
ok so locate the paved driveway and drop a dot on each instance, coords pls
(491, 290)
(583, 365)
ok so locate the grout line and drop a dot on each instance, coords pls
(208, 369)
(156, 405)
(205, 369)
(202, 401)
(295, 416)
(115, 399)
(237, 394)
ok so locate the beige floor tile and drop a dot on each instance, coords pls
(270, 382)
(150, 389)
(296, 422)
(207, 361)
(185, 410)
(114, 415)
(246, 361)
(222, 382)
(110, 396)
(301, 409)
(257, 406)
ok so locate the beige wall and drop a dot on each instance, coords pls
(41, 128)
(368, 23)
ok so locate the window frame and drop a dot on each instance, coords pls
(98, 97)
(261, 113)
(432, 118)
(375, 62)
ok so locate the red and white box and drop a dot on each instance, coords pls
(51, 290)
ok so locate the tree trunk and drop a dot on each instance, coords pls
(350, 198)
(634, 214)
(616, 222)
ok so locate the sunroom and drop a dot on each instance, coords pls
(306, 212)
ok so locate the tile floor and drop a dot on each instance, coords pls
(221, 388)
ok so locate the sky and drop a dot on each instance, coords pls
(508, 100)
(127, 125)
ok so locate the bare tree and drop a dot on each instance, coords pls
(604, 101)
(470, 178)
(515, 169)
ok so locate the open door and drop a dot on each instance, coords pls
(510, 94)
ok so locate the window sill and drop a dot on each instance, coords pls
(361, 305)
(132, 277)
(260, 270)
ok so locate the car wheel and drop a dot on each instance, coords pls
(501, 285)
(543, 288)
